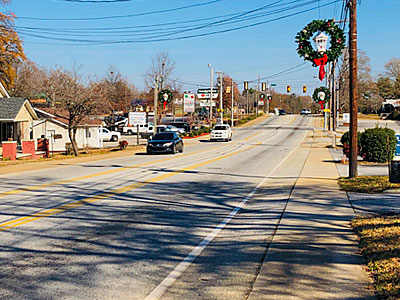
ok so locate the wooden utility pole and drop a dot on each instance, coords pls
(353, 88)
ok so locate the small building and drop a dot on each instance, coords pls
(16, 119)
(55, 129)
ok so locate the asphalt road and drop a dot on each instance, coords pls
(191, 226)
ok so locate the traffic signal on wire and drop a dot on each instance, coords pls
(288, 89)
(263, 86)
(246, 85)
(304, 89)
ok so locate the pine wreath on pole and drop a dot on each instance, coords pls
(321, 95)
(321, 58)
(165, 96)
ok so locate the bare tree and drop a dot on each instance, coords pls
(75, 99)
(29, 81)
(162, 65)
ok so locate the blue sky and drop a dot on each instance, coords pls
(265, 49)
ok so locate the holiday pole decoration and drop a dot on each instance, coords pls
(322, 55)
(321, 95)
(165, 96)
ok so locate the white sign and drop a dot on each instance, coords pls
(189, 103)
(137, 118)
(207, 95)
(260, 103)
(206, 103)
(178, 101)
(346, 118)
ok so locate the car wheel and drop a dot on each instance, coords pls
(173, 149)
(230, 139)
(149, 152)
(181, 151)
(114, 138)
(130, 132)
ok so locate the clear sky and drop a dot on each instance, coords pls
(98, 34)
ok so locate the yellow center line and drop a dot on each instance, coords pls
(291, 122)
(50, 184)
(68, 206)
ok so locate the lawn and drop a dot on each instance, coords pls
(367, 184)
(380, 246)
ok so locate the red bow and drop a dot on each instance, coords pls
(321, 62)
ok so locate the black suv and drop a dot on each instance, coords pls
(183, 125)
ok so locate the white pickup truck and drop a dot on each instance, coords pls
(108, 135)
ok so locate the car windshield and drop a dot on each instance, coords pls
(220, 128)
(164, 136)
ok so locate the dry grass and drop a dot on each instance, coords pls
(380, 246)
(367, 184)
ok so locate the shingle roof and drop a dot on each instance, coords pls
(10, 107)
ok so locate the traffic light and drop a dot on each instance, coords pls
(263, 86)
(228, 89)
(288, 88)
(304, 89)
(246, 85)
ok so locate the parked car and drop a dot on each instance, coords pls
(183, 125)
(282, 112)
(165, 142)
(221, 132)
(305, 111)
(108, 135)
(174, 129)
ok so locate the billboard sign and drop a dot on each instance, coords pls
(205, 93)
(189, 102)
(137, 118)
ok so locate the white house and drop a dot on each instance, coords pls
(56, 130)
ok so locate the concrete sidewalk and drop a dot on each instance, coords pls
(313, 254)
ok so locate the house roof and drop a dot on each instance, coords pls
(3, 91)
(59, 116)
(10, 107)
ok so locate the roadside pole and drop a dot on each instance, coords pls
(353, 88)
(155, 104)
(211, 93)
(232, 104)
(221, 107)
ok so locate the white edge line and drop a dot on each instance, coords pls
(183, 265)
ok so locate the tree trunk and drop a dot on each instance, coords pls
(72, 138)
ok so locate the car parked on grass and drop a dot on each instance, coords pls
(108, 135)
(165, 142)
(221, 132)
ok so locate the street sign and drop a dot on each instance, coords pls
(328, 110)
(189, 103)
(273, 84)
(137, 118)
(178, 101)
(206, 103)
(205, 93)
(261, 103)
(397, 153)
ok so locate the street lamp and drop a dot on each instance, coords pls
(211, 92)
(321, 41)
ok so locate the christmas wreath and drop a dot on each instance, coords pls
(167, 100)
(306, 50)
(321, 95)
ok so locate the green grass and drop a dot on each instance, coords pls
(380, 246)
(366, 184)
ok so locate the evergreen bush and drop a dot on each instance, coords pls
(378, 144)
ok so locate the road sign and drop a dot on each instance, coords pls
(273, 84)
(327, 110)
(206, 103)
(137, 118)
(397, 153)
(188, 103)
(205, 93)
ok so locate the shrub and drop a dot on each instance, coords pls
(345, 140)
(191, 134)
(378, 144)
(123, 145)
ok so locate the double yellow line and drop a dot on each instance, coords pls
(65, 207)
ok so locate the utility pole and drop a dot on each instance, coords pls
(232, 103)
(221, 106)
(268, 94)
(353, 88)
(155, 104)
(211, 92)
(333, 97)
(257, 94)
